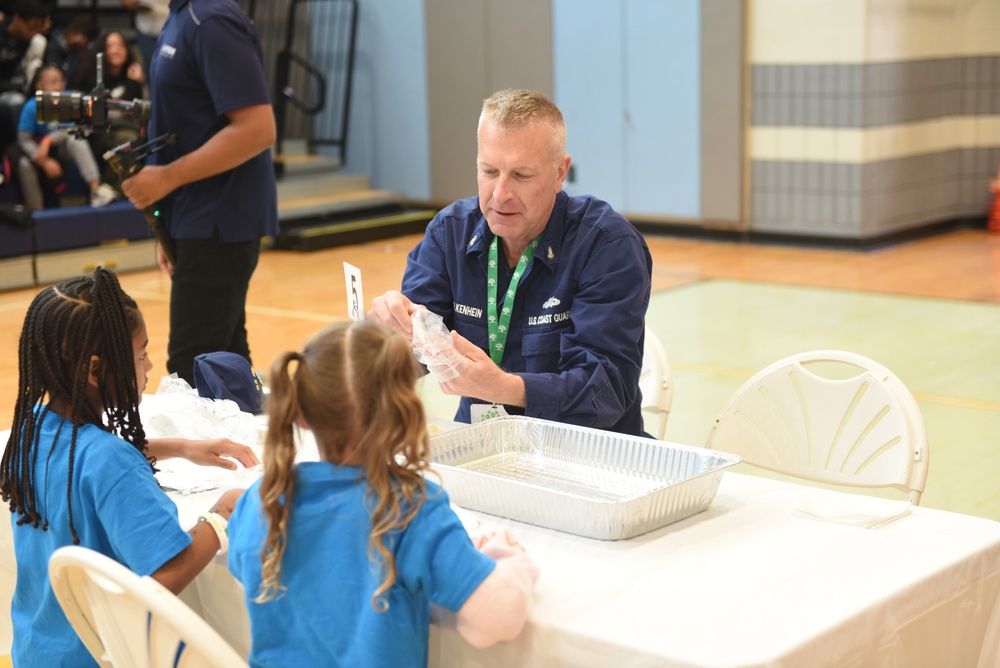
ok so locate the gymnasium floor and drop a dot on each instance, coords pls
(929, 310)
(719, 332)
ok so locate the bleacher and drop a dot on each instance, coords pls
(71, 241)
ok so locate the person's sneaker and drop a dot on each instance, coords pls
(103, 195)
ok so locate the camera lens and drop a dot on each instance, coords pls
(64, 107)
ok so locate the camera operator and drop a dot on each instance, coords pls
(215, 187)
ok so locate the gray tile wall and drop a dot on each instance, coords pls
(874, 94)
(806, 197)
(859, 201)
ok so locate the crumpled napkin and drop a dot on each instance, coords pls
(864, 511)
(176, 411)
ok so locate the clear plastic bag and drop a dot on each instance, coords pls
(433, 346)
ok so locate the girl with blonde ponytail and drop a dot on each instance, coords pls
(341, 559)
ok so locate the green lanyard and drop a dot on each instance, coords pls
(497, 328)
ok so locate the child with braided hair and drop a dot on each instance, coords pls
(342, 558)
(78, 469)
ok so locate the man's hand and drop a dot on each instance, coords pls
(479, 378)
(250, 131)
(148, 186)
(393, 309)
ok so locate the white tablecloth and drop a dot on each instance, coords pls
(749, 582)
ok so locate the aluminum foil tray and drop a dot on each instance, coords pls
(587, 482)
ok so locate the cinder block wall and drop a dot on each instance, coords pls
(872, 116)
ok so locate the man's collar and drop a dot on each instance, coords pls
(548, 247)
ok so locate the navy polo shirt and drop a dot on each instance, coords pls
(208, 62)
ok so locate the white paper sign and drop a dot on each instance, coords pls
(355, 297)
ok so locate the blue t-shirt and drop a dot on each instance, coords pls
(325, 617)
(209, 62)
(578, 322)
(118, 510)
(28, 122)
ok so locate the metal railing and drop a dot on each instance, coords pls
(309, 49)
(314, 42)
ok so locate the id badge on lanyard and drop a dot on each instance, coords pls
(480, 412)
(497, 326)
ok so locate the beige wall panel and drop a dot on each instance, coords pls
(476, 47)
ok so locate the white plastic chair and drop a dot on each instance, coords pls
(656, 384)
(863, 431)
(128, 621)
(436, 403)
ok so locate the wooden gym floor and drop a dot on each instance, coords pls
(927, 309)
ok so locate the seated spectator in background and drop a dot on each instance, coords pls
(68, 47)
(43, 151)
(20, 37)
(7, 7)
(555, 334)
(150, 15)
(123, 79)
(122, 72)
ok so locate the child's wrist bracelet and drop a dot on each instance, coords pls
(221, 527)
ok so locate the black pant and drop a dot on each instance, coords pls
(208, 301)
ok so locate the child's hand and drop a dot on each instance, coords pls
(52, 168)
(493, 538)
(215, 453)
(135, 72)
(205, 453)
(995, 186)
(501, 604)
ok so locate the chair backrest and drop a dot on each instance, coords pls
(656, 384)
(128, 621)
(436, 403)
(862, 431)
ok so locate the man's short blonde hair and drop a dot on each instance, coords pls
(511, 109)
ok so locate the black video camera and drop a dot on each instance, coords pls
(87, 113)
